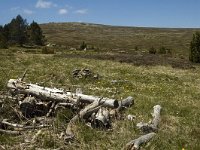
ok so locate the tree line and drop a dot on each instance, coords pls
(19, 32)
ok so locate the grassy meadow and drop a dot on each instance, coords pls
(177, 90)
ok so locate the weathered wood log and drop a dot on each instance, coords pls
(127, 102)
(83, 114)
(101, 119)
(27, 106)
(153, 126)
(30, 107)
(37, 91)
(107, 101)
(135, 144)
(156, 115)
(49, 94)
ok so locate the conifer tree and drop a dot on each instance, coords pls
(195, 48)
(35, 34)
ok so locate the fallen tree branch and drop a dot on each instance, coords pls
(153, 126)
(101, 119)
(135, 144)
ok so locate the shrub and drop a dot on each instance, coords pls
(46, 50)
(152, 50)
(169, 51)
(162, 50)
(83, 46)
(195, 48)
(136, 48)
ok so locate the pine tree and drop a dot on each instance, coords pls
(35, 34)
(6, 32)
(3, 40)
(195, 48)
(18, 30)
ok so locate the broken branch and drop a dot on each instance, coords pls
(135, 144)
(153, 126)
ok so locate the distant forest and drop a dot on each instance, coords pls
(19, 32)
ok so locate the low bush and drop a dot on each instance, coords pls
(47, 50)
(152, 50)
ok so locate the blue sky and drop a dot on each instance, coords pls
(146, 13)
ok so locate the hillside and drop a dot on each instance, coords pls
(118, 38)
(151, 79)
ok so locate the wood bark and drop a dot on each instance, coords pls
(28, 106)
(127, 102)
(135, 144)
(101, 119)
(107, 101)
(153, 126)
(50, 94)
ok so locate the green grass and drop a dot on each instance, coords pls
(176, 90)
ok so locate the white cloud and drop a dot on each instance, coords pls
(44, 4)
(81, 11)
(63, 11)
(28, 12)
(15, 8)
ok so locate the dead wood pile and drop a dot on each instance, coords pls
(41, 104)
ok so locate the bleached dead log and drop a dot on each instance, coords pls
(153, 125)
(27, 106)
(107, 102)
(127, 102)
(101, 119)
(30, 107)
(43, 93)
(49, 94)
(83, 114)
(135, 144)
